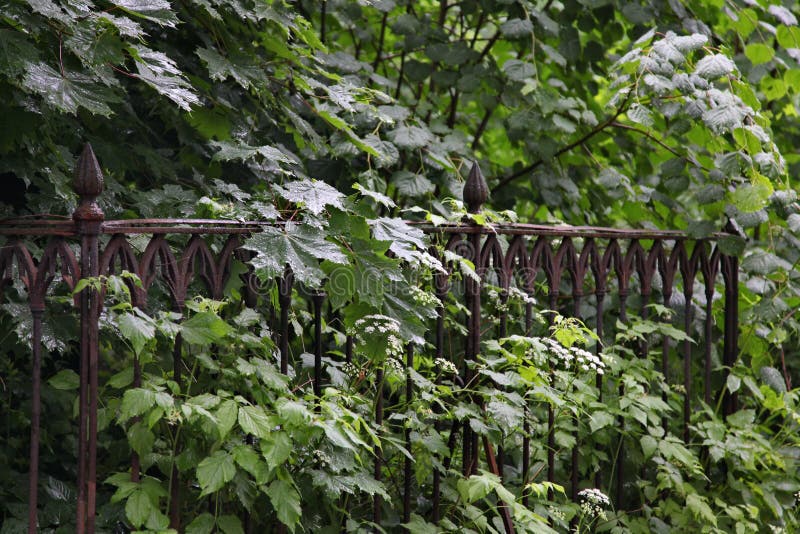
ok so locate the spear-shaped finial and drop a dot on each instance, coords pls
(476, 190)
(88, 183)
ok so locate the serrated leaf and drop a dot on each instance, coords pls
(158, 11)
(298, 245)
(759, 53)
(516, 28)
(230, 524)
(162, 74)
(141, 438)
(234, 150)
(202, 524)
(773, 378)
(410, 137)
(788, 37)
(405, 239)
(254, 420)
(286, 501)
(751, 197)
(277, 448)
(137, 328)
(204, 328)
(713, 66)
(311, 194)
(70, 91)
(65, 380)
(136, 402)
(215, 471)
(237, 67)
(138, 508)
(412, 185)
(640, 114)
(226, 414)
(518, 71)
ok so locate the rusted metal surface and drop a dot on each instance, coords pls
(575, 270)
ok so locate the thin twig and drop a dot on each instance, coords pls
(659, 142)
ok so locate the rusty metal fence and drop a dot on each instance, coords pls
(596, 274)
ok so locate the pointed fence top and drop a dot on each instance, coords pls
(88, 183)
(476, 190)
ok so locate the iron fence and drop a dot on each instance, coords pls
(596, 274)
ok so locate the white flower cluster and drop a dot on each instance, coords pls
(394, 366)
(582, 359)
(594, 502)
(322, 457)
(423, 298)
(797, 496)
(445, 366)
(556, 513)
(379, 325)
(349, 369)
(515, 293)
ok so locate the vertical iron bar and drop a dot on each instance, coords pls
(285, 302)
(36, 411)
(88, 183)
(376, 500)
(439, 353)
(688, 292)
(551, 417)
(526, 426)
(576, 312)
(598, 328)
(318, 298)
(407, 466)
(708, 333)
(730, 349)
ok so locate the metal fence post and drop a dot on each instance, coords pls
(88, 183)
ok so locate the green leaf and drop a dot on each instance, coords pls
(412, 185)
(700, 508)
(202, 524)
(230, 524)
(204, 328)
(788, 36)
(640, 114)
(215, 471)
(136, 402)
(714, 66)
(239, 68)
(162, 74)
(773, 378)
(751, 197)
(311, 194)
(70, 91)
(411, 137)
(649, 446)
(298, 245)
(518, 71)
(759, 53)
(226, 414)
(236, 150)
(137, 328)
(138, 507)
(141, 438)
(158, 11)
(405, 239)
(286, 502)
(65, 380)
(516, 28)
(277, 447)
(254, 420)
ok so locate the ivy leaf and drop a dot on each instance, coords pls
(158, 11)
(298, 245)
(204, 328)
(311, 194)
(713, 66)
(70, 91)
(162, 74)
(215, 471)
(286, 501)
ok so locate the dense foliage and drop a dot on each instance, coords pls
(337, 117)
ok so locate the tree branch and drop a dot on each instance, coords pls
(659, 142)
(594, 131)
